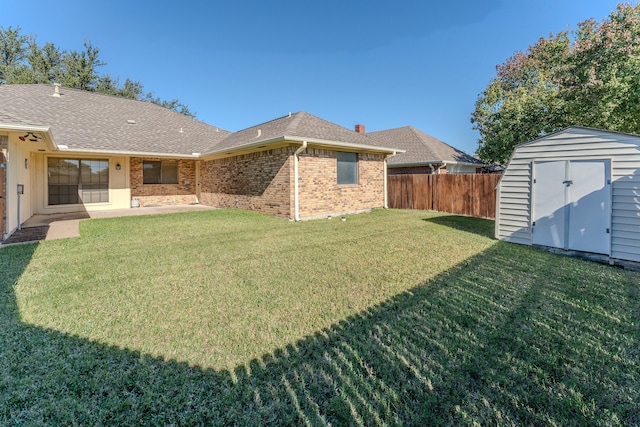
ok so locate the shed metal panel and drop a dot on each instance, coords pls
(514, 203)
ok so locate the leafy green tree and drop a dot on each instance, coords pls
(174, 104)
(45, 62)
(80, 68)
(586, 77)
(131, 89)
(24, 61)
(13, 50)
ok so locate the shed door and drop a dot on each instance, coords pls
(572, 205)
(549, 201)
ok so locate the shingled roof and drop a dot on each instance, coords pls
(297, 127)
(420, 148)
(89, 121)
(83, 121)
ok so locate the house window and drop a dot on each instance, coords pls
(347, 168)
(76, 181)
(160, 172)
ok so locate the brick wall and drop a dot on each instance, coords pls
(4, 142)
(320, 195)
(184, 192)
(263, 182)
(259, 181)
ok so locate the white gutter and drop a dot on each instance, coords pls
(385, 185)
(322, 142)
(296, 197)
(436, 162)
(26, 128)
(64, 148)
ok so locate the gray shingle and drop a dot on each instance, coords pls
(84, 120)
(300, 125)
(420, 147)
(88, 121)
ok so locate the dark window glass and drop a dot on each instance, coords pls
(151, 173)
(347, 167)
(160, 172)
(75, 181)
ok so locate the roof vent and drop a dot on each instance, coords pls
(259, 133)
(289, 113)
(131, 122)
(56, 90)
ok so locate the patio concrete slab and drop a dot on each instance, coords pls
(62, 226)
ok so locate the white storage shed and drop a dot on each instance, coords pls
(577, 189)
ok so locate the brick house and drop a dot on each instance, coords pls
(65, 150)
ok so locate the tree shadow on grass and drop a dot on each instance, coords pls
(482, 227)
(494, 341)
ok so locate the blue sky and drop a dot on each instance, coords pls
(239, 63)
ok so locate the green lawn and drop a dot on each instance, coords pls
(393, 317)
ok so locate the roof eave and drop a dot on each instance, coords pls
(435, 162)
(354, 146)
(65, 149)
(26, 128)
(312, 141)
(45, 130)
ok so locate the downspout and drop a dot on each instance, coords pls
(433, 170)
(385, 185)
(296, 197)
(444, 164)
(197, 183)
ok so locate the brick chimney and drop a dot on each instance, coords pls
(360, 129)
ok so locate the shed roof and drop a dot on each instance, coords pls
(420, 148)
(587, 131)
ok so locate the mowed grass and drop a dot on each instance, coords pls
(393, 317)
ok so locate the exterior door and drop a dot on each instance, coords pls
(572, 205)
(549, 204)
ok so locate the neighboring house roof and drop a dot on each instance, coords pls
(420, 148)
(89, 121)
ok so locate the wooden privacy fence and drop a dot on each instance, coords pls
(461, 194)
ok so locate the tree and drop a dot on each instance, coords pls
(174, 104)
(13, 48)
(46, 62)
(24, 61)
(585, 77)
(80, 68)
